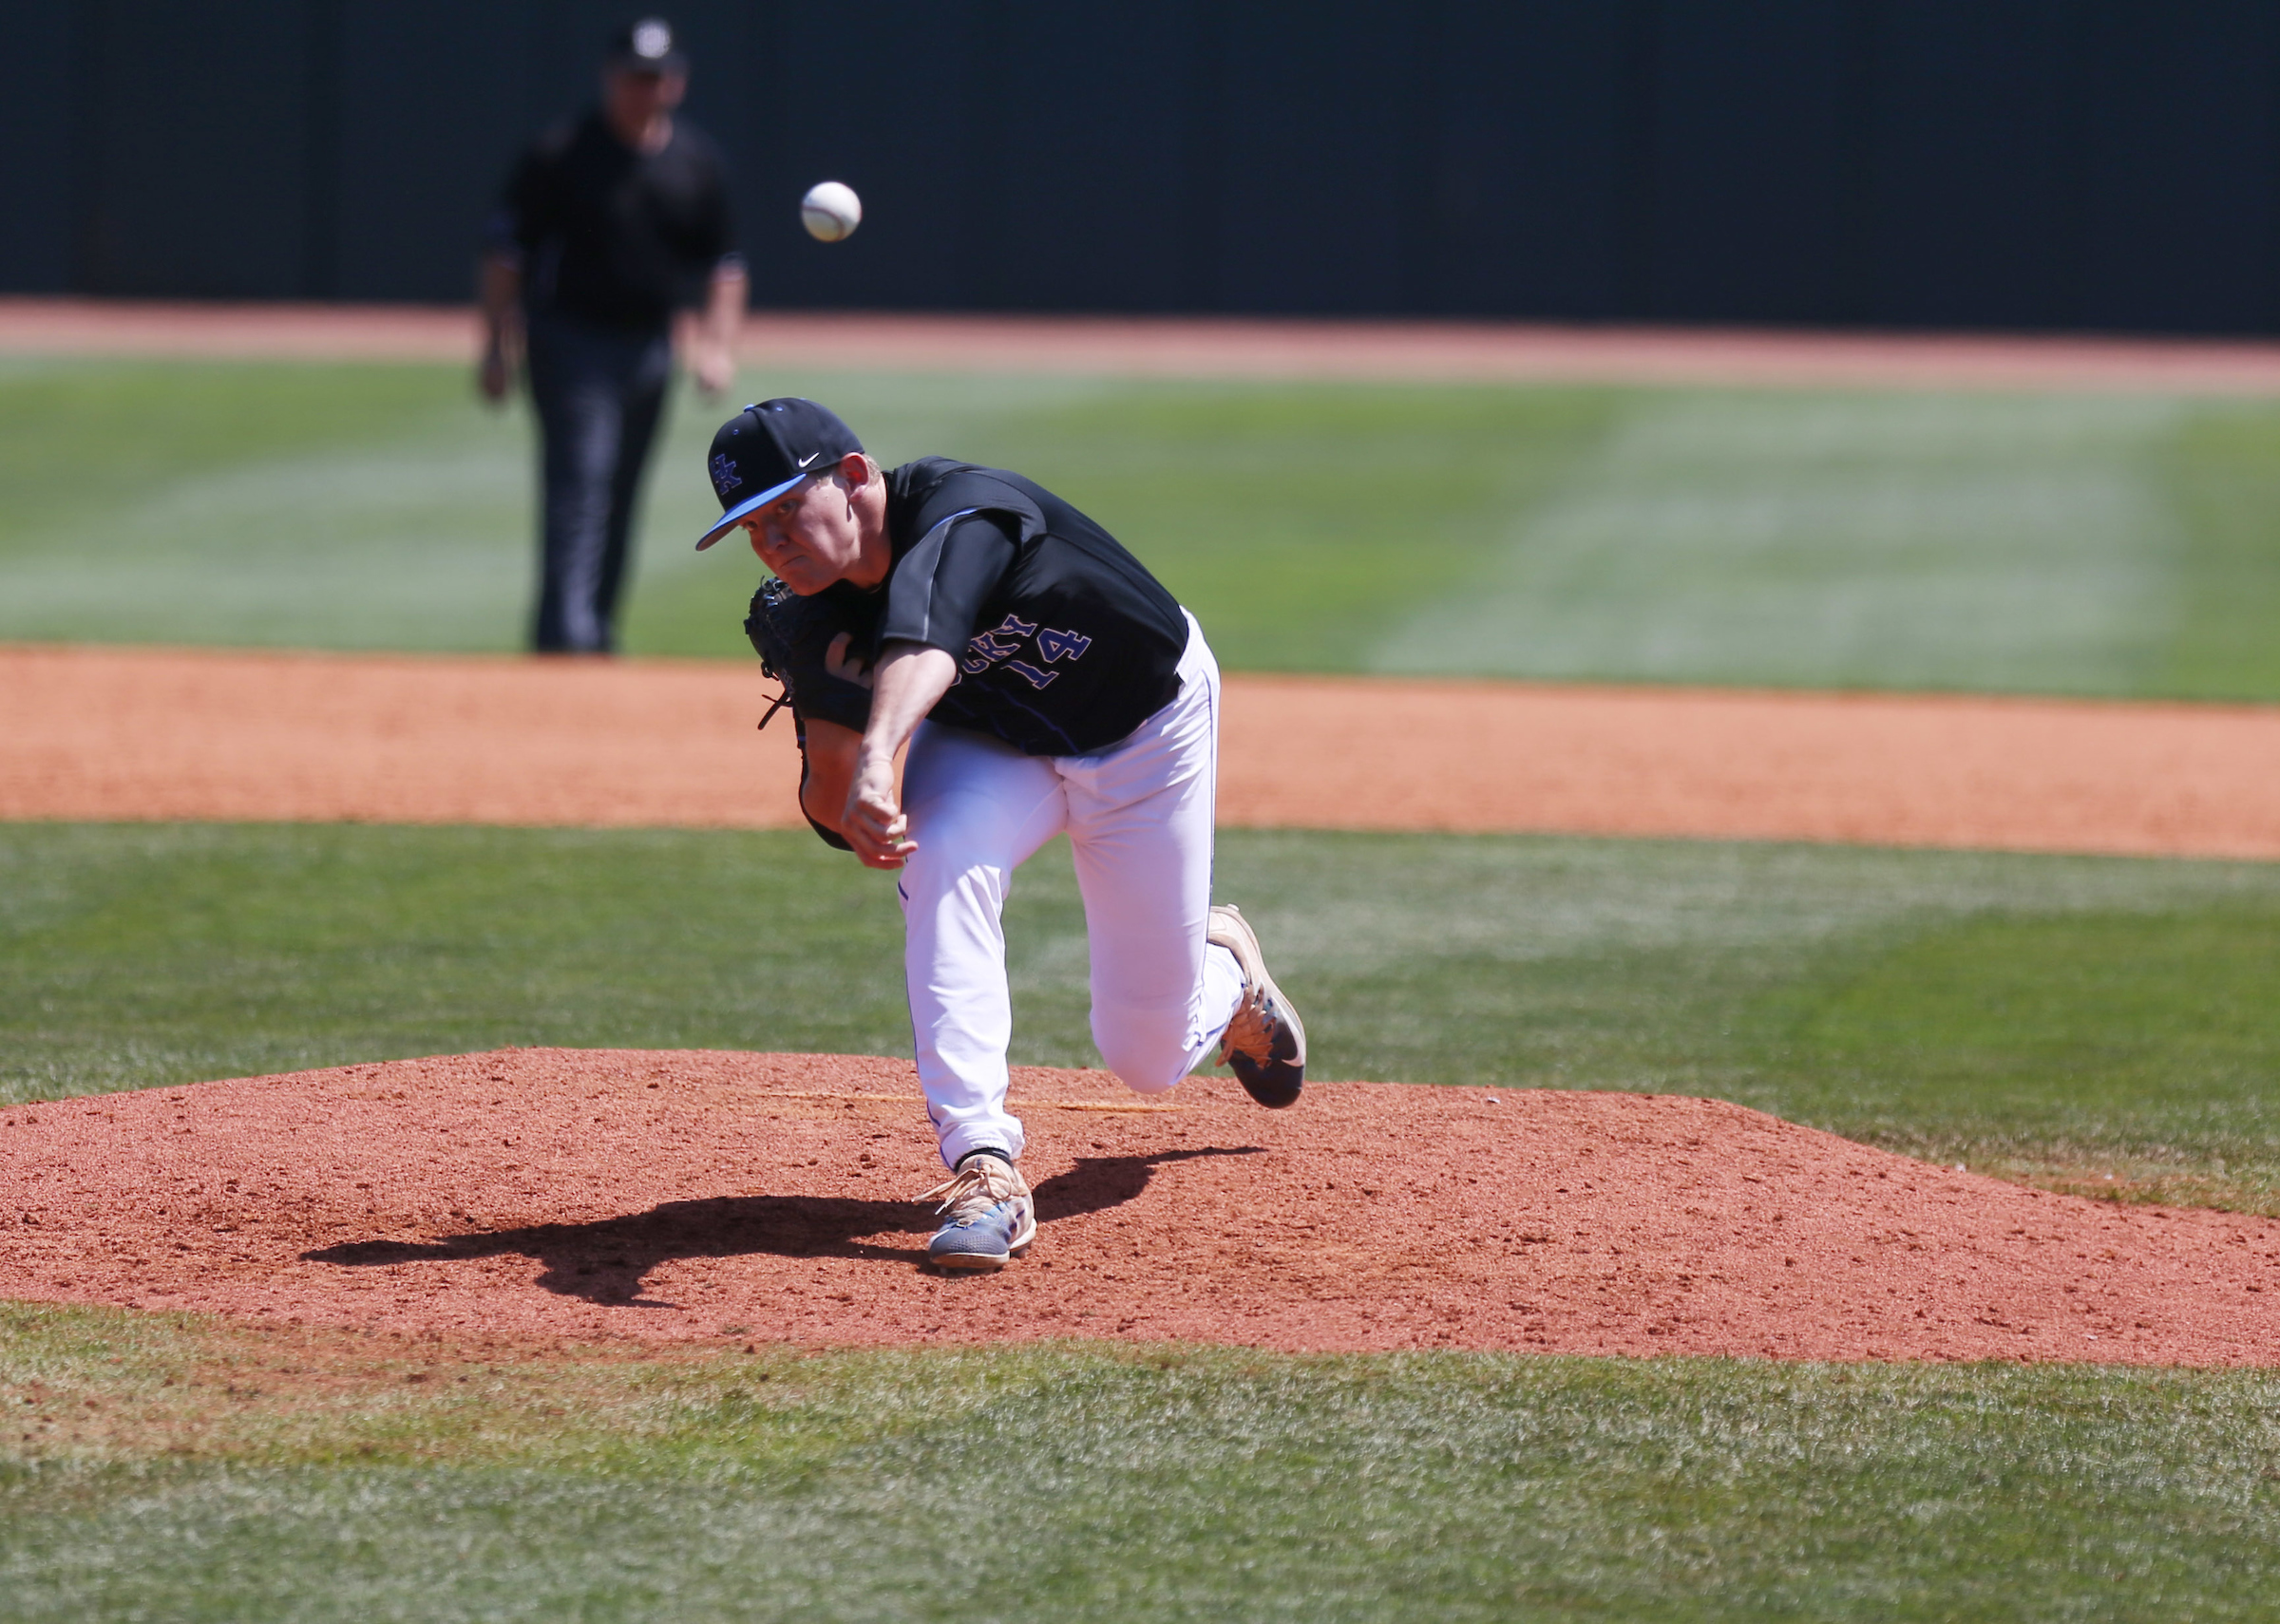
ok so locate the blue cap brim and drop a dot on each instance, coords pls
(736, 515)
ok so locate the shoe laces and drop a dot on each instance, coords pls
(1250, 1029)
(975, 1188)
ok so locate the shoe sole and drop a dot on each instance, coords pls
(1253, 960)
(975, 1263)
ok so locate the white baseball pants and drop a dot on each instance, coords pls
(1139, 818)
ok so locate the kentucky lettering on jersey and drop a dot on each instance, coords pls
(1064, 642)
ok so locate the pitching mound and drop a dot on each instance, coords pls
(676, 1196)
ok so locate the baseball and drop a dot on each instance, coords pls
(830, 211)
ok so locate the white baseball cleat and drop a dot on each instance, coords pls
(1265, 1045)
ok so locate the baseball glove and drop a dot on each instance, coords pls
(774, 624)
(779, 622)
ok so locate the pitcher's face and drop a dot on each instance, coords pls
(811, 536)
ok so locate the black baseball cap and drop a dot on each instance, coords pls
(765, 450)
(646, 46)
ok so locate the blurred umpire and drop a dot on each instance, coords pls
(608, 227)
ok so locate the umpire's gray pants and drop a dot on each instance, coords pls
(600, 395)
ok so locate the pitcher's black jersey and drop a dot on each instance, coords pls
(1064, 642)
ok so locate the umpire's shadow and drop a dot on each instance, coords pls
(606, 1261)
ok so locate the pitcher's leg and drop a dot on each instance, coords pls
(1140, 821)
(977, 809)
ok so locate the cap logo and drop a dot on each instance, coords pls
(725, 478)
(652, 39)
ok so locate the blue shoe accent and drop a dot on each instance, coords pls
(991, 1216)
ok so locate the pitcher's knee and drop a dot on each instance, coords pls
(1146, 1061)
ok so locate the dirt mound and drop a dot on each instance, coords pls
(153, 733)
(691, 1195)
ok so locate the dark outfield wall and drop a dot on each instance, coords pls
(2023, 163)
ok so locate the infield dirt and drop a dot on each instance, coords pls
(694, 1196)
(155, 733)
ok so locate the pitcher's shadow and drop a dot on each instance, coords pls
(607, 1260)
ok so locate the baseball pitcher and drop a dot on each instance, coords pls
(1044, 682)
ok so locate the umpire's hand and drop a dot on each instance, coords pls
(714, 370)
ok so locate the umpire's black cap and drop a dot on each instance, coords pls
(765, 450)
(646, 46)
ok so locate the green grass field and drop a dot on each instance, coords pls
(2122, 545)
(2100, 1025)
(168, 1469)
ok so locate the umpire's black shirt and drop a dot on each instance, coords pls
(1064, 642)
(614, 237)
